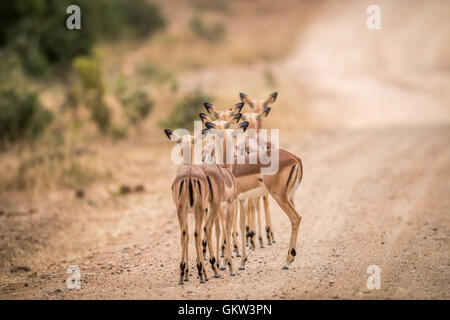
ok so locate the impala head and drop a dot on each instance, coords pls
(254, 118)
(223, 115)
(186, 144)
(258, 105)
(222, 133)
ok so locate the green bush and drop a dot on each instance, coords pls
(186, 111)
(137, 106)
(136, 103)
(89, 73)
(36, 29)
(213, 33)
(21, 116)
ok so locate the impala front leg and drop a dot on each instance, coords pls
(229, 226)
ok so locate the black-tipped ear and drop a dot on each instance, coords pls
(168, 133)
(243, 125)
(246, 99)
(274, 96)
(210, 125)
(208, 107)
(266, 111)
(239, 106)
(237, 117)
(203, 116)
(204, 132)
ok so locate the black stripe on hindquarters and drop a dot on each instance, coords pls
(210, 187)
(290, 175)
(181, 185)
(199, 188)
(191, 193)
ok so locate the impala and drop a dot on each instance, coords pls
(251, 183)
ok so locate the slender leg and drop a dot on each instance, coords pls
(184, 242)
(204, 242)
(222, 252)
(235, 232)
(243, 214)
(258, 213)
(217, 225)
(186, 254)
(251, 222)
(214, 209)
(223, 266)
(229, 226)
(289, 209)
(269, 229)
(198, 247)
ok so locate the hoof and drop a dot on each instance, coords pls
(238, 255)
(222, 267)
(261, 246)
(285, 267)
(217, 276)
(269, 243)
(222, 255)
(186, 279)
(241, 268)
(232, 273)
(180, 283)
(202, 281)
(206, 279)
(273, 241)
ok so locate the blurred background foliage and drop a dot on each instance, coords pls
(36, 44)
(119, 79)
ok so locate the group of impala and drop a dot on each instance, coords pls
(230, 174)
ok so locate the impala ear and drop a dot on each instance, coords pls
(244, 125)
(172, 136)
(205, 132)
(210, 109)
(246, 99)
(208, 106)
(236, 117)
(210, 125)
(238, 107)
(270, 99)
(266, 111)
(204, 117)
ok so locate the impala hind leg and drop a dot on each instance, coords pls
(204, 242)
(208, 230)
(258, 213)
(217, 226)
(235, 232)
(184, 237)
(197, 235)
(242, 217)
(269, 229)
(228, 227)
(223, 266)
(286, 205)
(186, 254)
(251, 222)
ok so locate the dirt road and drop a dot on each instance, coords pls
(376, 187)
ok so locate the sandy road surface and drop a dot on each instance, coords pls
(376, 187)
